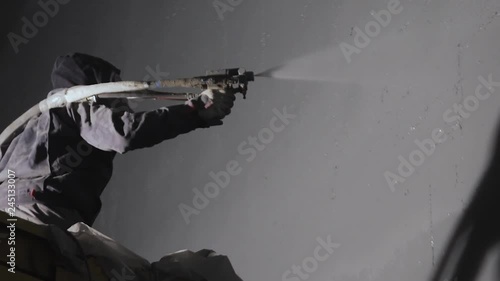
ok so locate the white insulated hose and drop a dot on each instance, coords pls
(67, 96)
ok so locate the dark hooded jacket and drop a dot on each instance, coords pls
(64, 157)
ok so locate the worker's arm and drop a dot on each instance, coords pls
(121, 130)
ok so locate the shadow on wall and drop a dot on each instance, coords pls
(477, 232)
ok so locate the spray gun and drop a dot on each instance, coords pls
(222, 79)
(235, 79)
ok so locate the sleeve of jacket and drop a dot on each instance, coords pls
(122, 130)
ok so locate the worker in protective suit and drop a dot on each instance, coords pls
(63, 159)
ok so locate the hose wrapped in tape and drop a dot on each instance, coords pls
(62, 97)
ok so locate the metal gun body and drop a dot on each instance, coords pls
(233, 78)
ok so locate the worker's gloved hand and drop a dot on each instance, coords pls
(213, 105)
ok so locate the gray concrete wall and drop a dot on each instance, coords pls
(321, 175)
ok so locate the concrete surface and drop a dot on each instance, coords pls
(322, 175)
